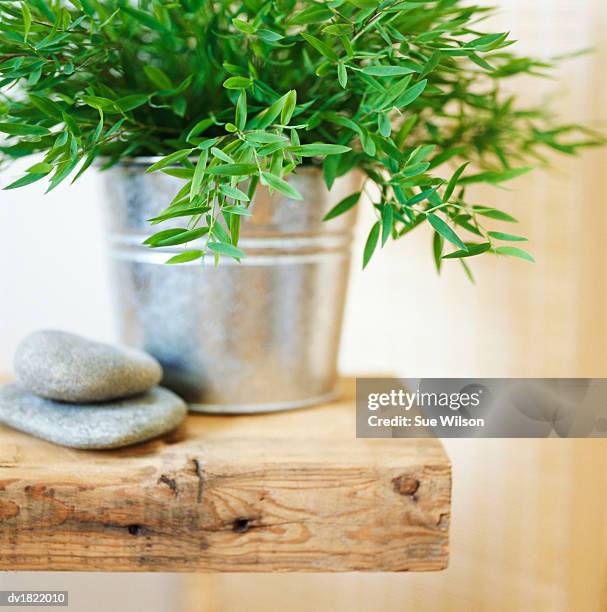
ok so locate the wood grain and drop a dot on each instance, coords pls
(282, 492)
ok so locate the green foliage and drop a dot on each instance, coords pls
(232, 95)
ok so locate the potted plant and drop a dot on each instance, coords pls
(238, 128)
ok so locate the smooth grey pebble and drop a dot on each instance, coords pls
(103, 425)
(66, 367)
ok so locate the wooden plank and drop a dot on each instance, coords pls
(276, 492)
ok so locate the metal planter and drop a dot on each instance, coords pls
(255, 336)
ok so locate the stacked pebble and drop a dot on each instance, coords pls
(84, 394)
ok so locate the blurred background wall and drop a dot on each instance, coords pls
(529, 528)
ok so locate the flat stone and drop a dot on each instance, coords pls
(69, 368)
(103, 425)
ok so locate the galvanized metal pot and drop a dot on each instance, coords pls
(255, 336)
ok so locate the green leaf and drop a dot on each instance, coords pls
(472, 249)
(237, 82)
(387, 223)
(513, 252)
(240, 117)
(158, 77)
(128, 103)
(113, 130)
(219, 154)
(345, 41)
(222, 248)
(280, 185)
(200, 127)
(142, 17)
(288, 107)
(437, 250)
(234, 223)
(344, 121)
(170, 160)
(243, 26)
(179, 106)
(269, 35)
(371, 244)
(479, 61)
(263, 119)
(98, 102)
(453, 182)
(343, 206)
(383, 125)
(233, 170)
(207, 143)
(415, 170)
(445, 231)
(493, 213)
(47, 106)
(261, 137)
(420, 197)
(71, 125)
(318, 149)
(90, 158)
(192, 255)
(198, 176)
(338, 29)
(430, 65)
(420, 154)
(487, 40)
(163, 235)
(387, 71)
(405, 130)
(28, 179)
(321, 47)
(41, 6)
(27, 19)
(330, 168)
(273, 147)
(220, 233)
(22, 129)
(181, 173)
(496, 177)
(463, 220)
(176, 212)
(62, 171)
(508, 237)
(342, 74)
(313, 14)
(40, 168)
(178, 238)
(411, 94)
(241, 211)
(364, 4)
(467, 270)
(234, 193)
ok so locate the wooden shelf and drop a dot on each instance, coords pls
(292, 491)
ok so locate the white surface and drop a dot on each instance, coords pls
(53, 268)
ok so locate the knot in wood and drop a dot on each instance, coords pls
(405, 484)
